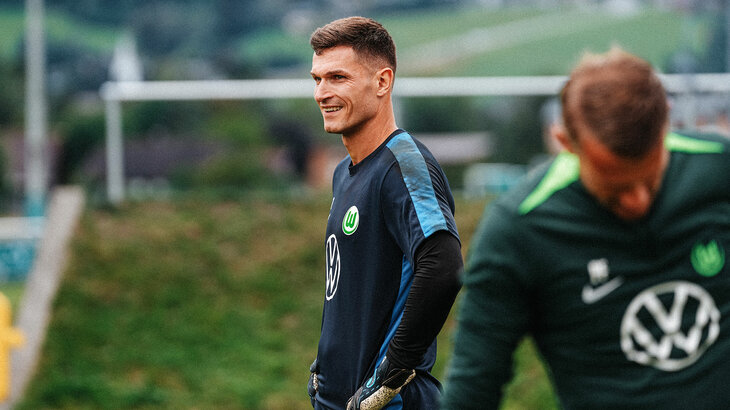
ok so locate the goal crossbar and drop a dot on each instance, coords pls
(114, 93)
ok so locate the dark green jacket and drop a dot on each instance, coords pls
(625, 315)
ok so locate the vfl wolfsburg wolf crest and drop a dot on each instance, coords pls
(708, 260)
(351, 221)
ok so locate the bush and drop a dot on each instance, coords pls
(80, 135)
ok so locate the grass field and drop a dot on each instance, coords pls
(653, 36)
(13, 290)
(11, 31)
(407, 29)
(202, 304)
(550, 50)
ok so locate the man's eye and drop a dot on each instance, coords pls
(339, 77)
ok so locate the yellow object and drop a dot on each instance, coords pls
(9, 338)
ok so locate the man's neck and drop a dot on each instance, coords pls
(362, 143)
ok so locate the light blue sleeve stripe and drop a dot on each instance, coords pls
(418, 181)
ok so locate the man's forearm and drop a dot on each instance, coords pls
(436, 283)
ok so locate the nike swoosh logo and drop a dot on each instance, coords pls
(593, 295)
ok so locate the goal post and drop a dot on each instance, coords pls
(115, 93)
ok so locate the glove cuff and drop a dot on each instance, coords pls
(395, 378)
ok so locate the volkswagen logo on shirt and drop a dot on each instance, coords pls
(669, 326)
(333, 267)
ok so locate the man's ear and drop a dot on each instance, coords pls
(385, 77)
(558, 131)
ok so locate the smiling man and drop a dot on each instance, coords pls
(393, 255)
(612, 257)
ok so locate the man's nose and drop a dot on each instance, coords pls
(321, 91)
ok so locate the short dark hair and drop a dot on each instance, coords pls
(366, 36)
(619, 98)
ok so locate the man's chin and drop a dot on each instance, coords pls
(336, 130)
(332, 129)
(627, 216)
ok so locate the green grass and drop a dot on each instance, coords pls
(66, 29)
(12, 29)
(273, 44)
(199, 304)
(653, 36)
(407, 29)
(415, 28)
(13, 290)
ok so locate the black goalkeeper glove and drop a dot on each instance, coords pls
(380, 389)
(313, 384)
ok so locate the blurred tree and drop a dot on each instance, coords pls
(715, 58)
(81, 133)
(73, 68)
(162, 27)
(11, 103)
(446, 114)
(516, 124)
(297, 140)
(164, 116)
(237, 17)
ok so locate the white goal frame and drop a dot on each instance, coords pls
(114, 93)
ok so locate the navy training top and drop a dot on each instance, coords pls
(382, 209)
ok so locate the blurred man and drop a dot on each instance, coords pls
(392, 250)
(613, 258)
